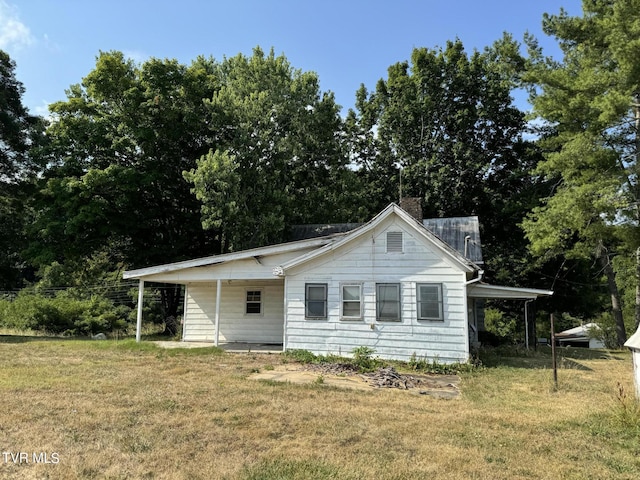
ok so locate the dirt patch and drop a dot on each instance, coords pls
(346, 376)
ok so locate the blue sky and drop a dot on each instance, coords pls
(347, 42)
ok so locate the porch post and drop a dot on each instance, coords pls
(218, 289)
(140, 299)
(184, 312)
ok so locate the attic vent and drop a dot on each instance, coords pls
(394, 242)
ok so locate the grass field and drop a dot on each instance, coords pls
(119, 410)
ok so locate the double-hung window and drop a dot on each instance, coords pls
(388, 302)
(351, 301)
(315, 301)
(429, 297)
(253, 305)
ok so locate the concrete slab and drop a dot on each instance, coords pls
(438, 386)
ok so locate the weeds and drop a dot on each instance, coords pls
(627, 408)
(363, 360)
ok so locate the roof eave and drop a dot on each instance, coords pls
(227, 257)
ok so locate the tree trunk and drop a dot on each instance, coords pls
(170, 296)
(636, 111)
(616, 304)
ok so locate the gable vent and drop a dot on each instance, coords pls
(394, 242)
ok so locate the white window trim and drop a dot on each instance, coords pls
(247, 302)
(439, 287)
(306, 300)
(385, 320)
(361, 302)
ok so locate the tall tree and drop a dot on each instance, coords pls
(444, 128)
(119, 145)
(278, 157)
(591, 105)
(20, 134)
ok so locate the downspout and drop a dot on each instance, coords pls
(475, 280)
(466, 309)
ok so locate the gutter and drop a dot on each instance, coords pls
(475, 280)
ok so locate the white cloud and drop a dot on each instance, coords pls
(14, 34)
(136, 55)
(42, 110)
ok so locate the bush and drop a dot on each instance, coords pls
(62, 314)
(499, 324)
(362, 358)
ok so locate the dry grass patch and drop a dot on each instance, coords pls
(120, 410)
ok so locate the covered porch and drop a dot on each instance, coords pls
(229, 312)
(479, 292)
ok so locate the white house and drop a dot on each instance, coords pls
(390, 284)
(634, 345)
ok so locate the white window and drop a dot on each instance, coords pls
(394, 242)
(388, 302)
(315, 300)
(351, 301)
(429, 297)
(253, 304)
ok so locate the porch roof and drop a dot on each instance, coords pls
(485, 290)
(255, 253)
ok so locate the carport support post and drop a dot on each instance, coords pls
(218, 288)
(139, 319)
(553, 354)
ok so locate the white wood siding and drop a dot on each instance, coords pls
(367, 262)
(235, 325)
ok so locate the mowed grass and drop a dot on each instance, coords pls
(120, 410)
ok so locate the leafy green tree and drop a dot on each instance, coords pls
(444, 128)
(278, 158)
(114, 183)
(20, 135)
(590, 103)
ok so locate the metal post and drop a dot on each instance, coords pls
(553, 354)
(140, 304)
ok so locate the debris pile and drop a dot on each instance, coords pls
(332, 368)
(387, 377)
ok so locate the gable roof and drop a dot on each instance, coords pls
(460, 233)
(320, 245)
(392, 209)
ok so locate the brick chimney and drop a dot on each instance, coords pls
(413, 206)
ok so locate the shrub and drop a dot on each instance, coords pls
(62, 314)
(362, 358)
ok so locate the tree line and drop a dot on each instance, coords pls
(156, 162)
